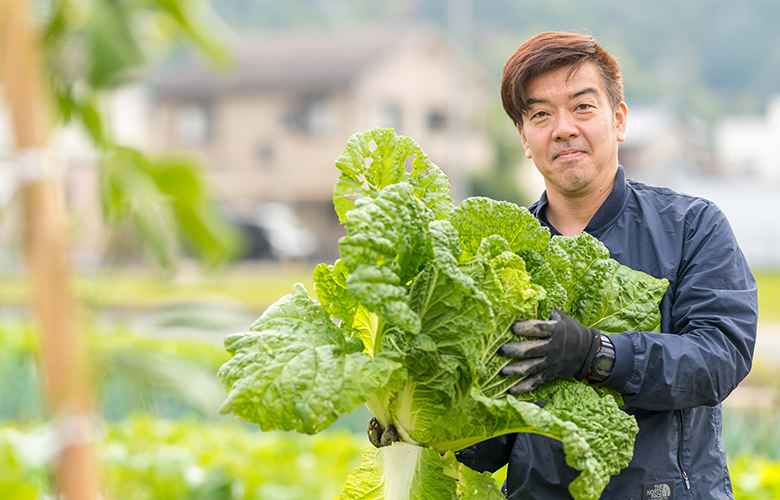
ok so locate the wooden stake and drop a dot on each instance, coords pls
(68, 388)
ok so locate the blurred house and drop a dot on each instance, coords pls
(732, 169)
(271, 127)
(748, 182)
(741, 144)
(750, 206)
(661, 144)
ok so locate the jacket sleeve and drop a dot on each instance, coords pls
(712, 308)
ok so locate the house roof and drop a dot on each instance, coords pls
(299, 62)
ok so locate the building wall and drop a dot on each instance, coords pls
(276, 145)
(260, 145)
(442, 103)
(741, 142)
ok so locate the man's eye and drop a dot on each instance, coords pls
(583, 106)
(538, 114)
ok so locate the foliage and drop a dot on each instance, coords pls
(91, 46)
(164, 198)
(752, 433)
(18, 479)
(768, 296)
(147, 459)
(132, 463)
(500, 180)
(143, 458)
(498, 183)
(425, 294)
(20, 339)
(162, 376)
(755, 478)
(256, 287)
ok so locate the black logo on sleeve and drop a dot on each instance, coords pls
(662, 490)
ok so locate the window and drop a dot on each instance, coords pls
(265, 153)
(436, 121)
(388, 114)
(312, 116)
(193, 125)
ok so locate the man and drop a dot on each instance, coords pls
(564, 94)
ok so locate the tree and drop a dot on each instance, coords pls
(162, 198)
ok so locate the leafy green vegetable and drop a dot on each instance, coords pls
(400, 472)
(387, 166)
(407, 472)
(306, 355)
(425, 294)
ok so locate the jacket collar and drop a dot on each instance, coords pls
(603, 216)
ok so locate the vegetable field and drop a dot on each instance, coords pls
(162, 437)
(768, 296)
(148, 458)
(405, 325)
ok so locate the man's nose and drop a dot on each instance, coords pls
(565, 127)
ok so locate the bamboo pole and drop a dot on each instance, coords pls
(63, 347)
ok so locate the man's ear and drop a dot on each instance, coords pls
(621, 115)
(525, 142)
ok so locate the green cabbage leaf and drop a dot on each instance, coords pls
(409, 320)
(408, 472)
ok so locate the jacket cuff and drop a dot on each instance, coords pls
(467, 456)
(624, 363)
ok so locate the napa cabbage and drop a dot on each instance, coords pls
(408, 322)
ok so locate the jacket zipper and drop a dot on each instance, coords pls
(680, 451)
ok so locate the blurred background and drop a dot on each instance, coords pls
(192, 147)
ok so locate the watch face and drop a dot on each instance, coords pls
(604, 363)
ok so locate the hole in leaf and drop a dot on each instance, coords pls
(408, 163)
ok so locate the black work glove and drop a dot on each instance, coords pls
(379, 436)
(562, 348)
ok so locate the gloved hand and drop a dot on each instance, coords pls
(562, 348)
(379, 436)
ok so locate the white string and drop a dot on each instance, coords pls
(42, 446)
(76, 430)
(35, 164)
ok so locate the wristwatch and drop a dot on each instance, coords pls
(603, 362)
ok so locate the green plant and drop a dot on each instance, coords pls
(425, 294)
(755, 478)
(92, 46)
(143, 458)
(750, 432)
(166, 376)
(768, 296)
(255, 288)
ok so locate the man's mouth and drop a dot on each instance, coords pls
(569, 154)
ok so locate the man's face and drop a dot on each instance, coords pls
(571, 131)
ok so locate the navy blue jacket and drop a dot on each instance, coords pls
(672, 382)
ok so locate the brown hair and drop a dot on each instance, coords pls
(547, 52)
